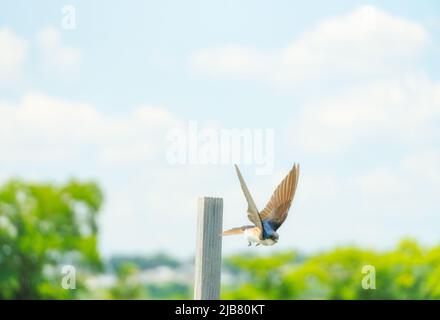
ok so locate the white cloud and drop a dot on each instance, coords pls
(55, 53)
(234, 59)
(404, 110)
(392, 101)
(425, 165)
(364, 42)
(44, 129)
(13, 51)
(381, 183)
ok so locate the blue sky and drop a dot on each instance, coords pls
(351, 90)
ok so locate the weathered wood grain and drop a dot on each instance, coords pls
(208, 249)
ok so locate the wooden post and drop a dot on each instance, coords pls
(208, 249)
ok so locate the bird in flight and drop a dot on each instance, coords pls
(267, 222)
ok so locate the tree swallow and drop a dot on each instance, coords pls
(267, 222)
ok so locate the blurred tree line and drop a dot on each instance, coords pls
(46, 226)
(42, 228)
(407, 272)
(142, 262)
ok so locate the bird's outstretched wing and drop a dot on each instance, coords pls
(277, 208)
(252, 210)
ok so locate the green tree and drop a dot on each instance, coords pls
(43, 227)
(127, 285)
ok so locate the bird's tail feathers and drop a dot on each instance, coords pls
(233, 231)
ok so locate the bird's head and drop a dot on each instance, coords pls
(274, 236)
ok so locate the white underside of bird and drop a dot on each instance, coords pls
(252, 236)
